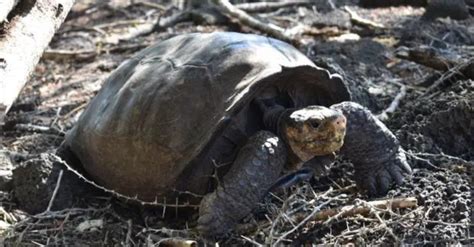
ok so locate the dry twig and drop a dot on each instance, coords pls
(251, 241)
(426, 161)
(394, 105)
(462, 69)
(306, 219)
(56, 158)
(128, 238)
(352, 210)
(375, 212)
(55, 192)
(356, 18)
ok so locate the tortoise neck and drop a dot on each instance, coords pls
(272, 118)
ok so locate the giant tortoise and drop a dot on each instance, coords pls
(216, 119)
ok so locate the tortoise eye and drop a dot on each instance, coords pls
(314, 124)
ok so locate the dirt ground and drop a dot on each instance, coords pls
(434, 121)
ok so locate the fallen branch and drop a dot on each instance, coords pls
(427, 56)
(140, 30)
(120, 23)
(151, 5)
(351, 210)
(270, 29)
(61, 55)
(38, 129)
(26, 37)
(270, 6)
(325, 32)
(206, 15)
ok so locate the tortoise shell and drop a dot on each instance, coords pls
(162, 111)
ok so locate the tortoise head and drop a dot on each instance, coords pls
(314, 131)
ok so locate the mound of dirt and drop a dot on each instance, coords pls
(442, 122)
(36, 180)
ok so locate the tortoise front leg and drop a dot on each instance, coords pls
(373, 149)
(257, 166)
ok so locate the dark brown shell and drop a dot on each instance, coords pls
(159, 109)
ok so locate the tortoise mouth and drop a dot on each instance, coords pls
(318, 142)
(318, 147)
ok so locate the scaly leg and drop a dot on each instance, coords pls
(257, 166)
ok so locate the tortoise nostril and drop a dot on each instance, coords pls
(340, 123)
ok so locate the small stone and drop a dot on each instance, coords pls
(463, 188)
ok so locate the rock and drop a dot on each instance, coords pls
(454, 9)
(388, 3)
(6, 167)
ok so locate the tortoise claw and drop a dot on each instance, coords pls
(373, 149)
(211, 223)
(377, 181)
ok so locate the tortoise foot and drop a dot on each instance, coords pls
(374, 150)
